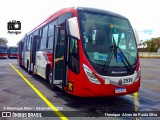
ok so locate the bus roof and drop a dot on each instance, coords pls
(95, 10)
(53, 16)
(73, 9)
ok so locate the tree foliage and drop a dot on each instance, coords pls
(152, 45)
(3, 41)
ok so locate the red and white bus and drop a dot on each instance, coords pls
(3, 52)
(87, 52)
(12, 52)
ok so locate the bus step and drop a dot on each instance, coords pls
(59, 86)
(57, 82)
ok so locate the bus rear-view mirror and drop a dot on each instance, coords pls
(73, 29)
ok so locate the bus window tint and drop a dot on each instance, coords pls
(14, 50)
(3, 50)
(50, 42)
(64, 17)
(74, 55)
(37, 33)
(45, 30)
(100, 32)
(73, 49)
(44, 38)
(51, 34)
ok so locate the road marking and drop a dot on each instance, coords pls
(129, 95)
(40, 95)
(136, 103)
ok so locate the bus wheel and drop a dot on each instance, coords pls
(53, 87)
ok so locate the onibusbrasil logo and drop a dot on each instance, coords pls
(14, 27)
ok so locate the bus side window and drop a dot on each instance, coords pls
(74, 55)
(39, 40)
(44, 38)
(37, 33)
(51, 34)
(28, 43)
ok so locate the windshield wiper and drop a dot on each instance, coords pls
(129, 67)
(114, 50)
(109, 58)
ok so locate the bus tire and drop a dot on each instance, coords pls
(53, 87)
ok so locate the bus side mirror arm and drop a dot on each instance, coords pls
(72, 28)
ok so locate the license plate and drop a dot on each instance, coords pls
(127, 81)
(120, 90)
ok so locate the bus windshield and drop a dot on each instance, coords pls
(3, 50)
(14, 50)
(107, 40)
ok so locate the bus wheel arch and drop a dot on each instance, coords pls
(49, 77)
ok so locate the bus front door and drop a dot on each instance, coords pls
(58, 71)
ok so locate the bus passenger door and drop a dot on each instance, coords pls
(58, 56)
(33, 54)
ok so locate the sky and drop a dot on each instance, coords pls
(143, 14)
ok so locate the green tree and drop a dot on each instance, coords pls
(153, 45)
(3, 41)
(156, 41)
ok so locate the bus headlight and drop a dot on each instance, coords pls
(138, 75)
(90, 75)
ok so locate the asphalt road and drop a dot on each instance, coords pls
(15, 93)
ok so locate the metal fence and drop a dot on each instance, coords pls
(149, 54)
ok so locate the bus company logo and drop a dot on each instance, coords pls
(14, 27)
(118, 72)
(120, 82)
(6, 114)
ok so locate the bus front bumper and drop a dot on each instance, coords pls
(94, 90)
